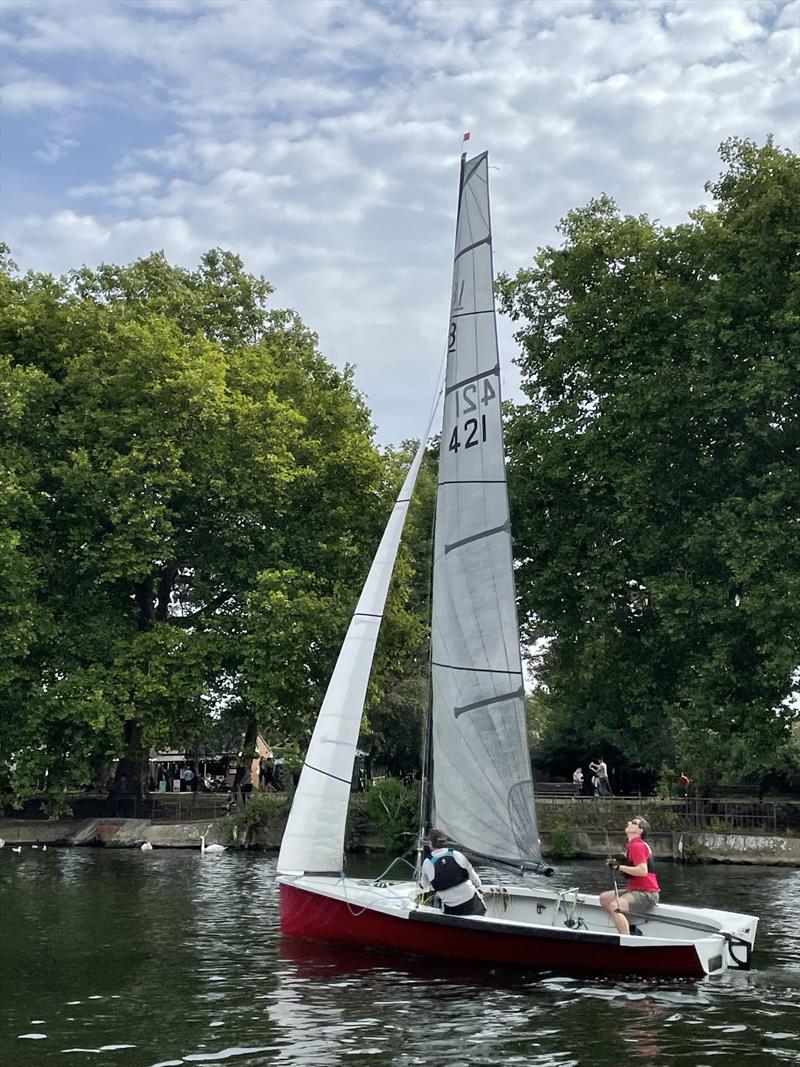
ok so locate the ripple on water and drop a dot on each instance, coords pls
(102, 1048)
(152, 955)
(225, 1054)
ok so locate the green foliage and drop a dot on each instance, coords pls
(665, 818)
(189, 500)
(262, 812)
(720, 825)
(394, 809)
(691, 851)
(654, 471)
(562, 843)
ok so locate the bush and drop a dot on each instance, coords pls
(394, 809)
(562, 843)
(691, 851)
(262, 810)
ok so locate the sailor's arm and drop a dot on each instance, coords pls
(473, 877)
(639, 871)
(423, 875)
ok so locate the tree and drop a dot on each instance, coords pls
(191, 492)
(655, 469)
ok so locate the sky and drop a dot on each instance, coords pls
(319, 139)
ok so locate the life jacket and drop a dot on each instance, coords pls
(447, 872)
(636, 880)
(650, 864)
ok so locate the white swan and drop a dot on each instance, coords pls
(2, 843)
(147, 847)
(17, 849)
(209, 848)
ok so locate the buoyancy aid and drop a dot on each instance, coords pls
(447, 872)
(649, 882)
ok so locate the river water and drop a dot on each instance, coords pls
(165, 958)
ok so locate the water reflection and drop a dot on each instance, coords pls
(160, 959)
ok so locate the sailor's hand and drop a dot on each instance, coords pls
(613, 863)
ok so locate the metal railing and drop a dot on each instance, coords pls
(190, 807)
(685, 813)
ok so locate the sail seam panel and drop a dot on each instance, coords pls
(495, 370)
(501, 699)
(505, 528)
(476, 670)
(472, 247)
(345, 781)
(473, 481)
(467, 314)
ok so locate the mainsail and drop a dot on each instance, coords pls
(482, 789)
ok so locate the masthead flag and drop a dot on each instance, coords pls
(466, 136)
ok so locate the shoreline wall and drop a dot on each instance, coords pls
(688, 845)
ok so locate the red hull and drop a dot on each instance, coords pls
(321, 918)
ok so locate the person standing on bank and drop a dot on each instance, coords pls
(642, 890)
(451, 876)
(600, 770)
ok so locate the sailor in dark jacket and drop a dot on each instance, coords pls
(451, 876)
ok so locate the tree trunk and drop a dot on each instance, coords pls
(130, 781)
(245, 760)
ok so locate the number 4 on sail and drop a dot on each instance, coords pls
(478, 787)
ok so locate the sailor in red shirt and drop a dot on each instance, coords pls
(643, 889)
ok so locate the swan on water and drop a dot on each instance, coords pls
(2, 843)
(147, 847)
(17, 849)
(209, 848)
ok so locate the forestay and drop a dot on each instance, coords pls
(314, 835)
(482, 792)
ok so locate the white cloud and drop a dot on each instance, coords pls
(320, 139)
(124, 191)
(54, 148)
(33, 93)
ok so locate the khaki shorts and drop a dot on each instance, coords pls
(639, 900)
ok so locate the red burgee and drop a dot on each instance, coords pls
(466, 136)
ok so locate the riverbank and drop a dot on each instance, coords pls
(678, 845)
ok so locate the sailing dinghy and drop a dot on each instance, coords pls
(478, 786)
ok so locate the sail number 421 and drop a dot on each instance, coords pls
(470, 398)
